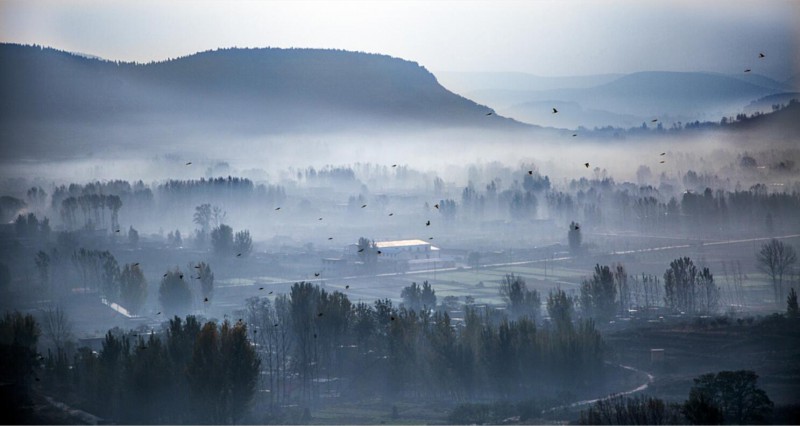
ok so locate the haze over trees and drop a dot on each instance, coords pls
(734, 395)
(386, 251)
(133, 288)
(174, 294)
(688, 289)
(520, 302)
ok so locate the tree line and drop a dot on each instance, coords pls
(315, 344)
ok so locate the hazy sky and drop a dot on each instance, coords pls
(539, 37)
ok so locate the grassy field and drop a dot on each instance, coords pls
(771, 348)
(378, 412)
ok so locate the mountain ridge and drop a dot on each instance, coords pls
(45, 83)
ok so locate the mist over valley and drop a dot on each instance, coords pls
(281, 235)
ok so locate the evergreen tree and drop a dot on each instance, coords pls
(133, 288)
(222, 240)
(791, 304)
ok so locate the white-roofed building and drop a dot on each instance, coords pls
(407, 249)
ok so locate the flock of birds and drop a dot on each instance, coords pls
(761, 55)
(427, 223)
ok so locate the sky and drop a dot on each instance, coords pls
(547, 38)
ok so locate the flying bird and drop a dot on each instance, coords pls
(189, 163)
(436, 205)
(430, 238)
(555, 111)
(586, 164)
(391, 214)
(488, 113)
(530, 172)
(747, 70)
(136, 264)
(158, 313)
(392, 318)
(761, 56)
(270, 292)
(277, 208)
(394, 165)
(574, 134)
(663, 153)
(319, 219)
(261, 288)
(364, 205)
(662, 161)
(330, 238)
(238, 255)
(577, 227)
(320, 314)
(205, 300)
(347, 286)
(654, 120)
(276, 324)
(197, 267)
(428, 223)
(316, 274)
(181, 276)
(360, 250)
(117, 230)
(379, 252)
(165, 275)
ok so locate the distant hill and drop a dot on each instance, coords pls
(768, 103)
(571, 115)
(793, 82)
(655, 93)
(625, 100)
(257, 91)
(783, 124)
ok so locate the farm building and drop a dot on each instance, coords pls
(408, 249)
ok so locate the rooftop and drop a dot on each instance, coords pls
(401, 243)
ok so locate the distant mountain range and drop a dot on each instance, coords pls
(57, 104)
(616, 100)
(255, 91)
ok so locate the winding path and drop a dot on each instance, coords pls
(639, 388)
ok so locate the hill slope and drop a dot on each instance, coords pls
(245, 90)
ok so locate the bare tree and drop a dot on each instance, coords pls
(218, 215)
(243, 243)
(520, 301)
(133, 288)
(680, 285)
(42, 261)
(56, 326)
(775, 259)
(623, 289)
